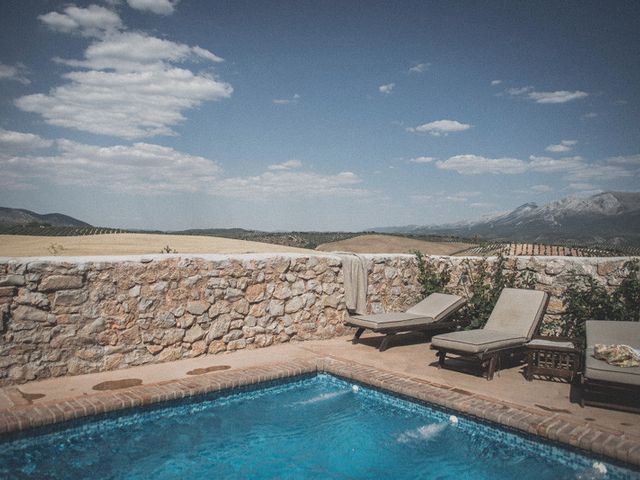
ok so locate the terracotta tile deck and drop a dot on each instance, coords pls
(540, 407)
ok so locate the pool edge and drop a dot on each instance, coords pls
(551, 426)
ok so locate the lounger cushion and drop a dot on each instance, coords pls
(432, 309)
(611, 333)
(389, 320)
(517, 312)
(476, 341)
(437, 306)
(600, 370)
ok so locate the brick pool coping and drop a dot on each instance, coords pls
(610, 443)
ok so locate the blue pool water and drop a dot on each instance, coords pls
(315, 427)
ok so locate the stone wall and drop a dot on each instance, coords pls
(65, 316)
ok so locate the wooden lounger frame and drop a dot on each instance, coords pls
(489, 359)
(618, 396)
(390, 332)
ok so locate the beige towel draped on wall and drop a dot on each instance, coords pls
(354, 270)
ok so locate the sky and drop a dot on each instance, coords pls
(314, 114)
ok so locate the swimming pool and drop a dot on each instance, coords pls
(313, 427)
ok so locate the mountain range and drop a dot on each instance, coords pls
(608, 217)
(611, 217)
(19, 216)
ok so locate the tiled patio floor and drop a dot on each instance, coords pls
(408, 367)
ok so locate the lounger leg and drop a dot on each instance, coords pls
(356, 337)
(385, 341)
(441, 356)
(492, 367)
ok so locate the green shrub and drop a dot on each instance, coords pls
(168, 249)
(430, 279)
(485, 282)
(587, 299)
(481, 285)
(629, 292)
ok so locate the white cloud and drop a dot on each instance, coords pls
(541, 188)
(287, 101)
(141, 168)
(150, 169)
(386, 89)
(423, 198)
(590, 115)
(481, 205)
(577, 169)
(129, 86)
(461, 197)
(91, 21)
(291, 183)
(441, 198)
(563, 146)
(476, 165)
(160, 7)
(625, 160)
(440, 127)
(559, 148)
(559, 96)
(134, 52)
(288, 165)
(518, 90)
(597, 171)
(14, 72)
(422, 160)
(11, 141)
(574, 169)
(582, 186)
(495, 82)
(552, 165)
(419, 68)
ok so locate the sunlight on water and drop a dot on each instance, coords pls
(423, 433)
(321, 398)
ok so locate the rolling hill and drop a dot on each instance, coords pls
(393, 244)
(19, 216)
(608, 217)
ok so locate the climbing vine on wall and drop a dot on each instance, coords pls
(588, 299)
(481, 284)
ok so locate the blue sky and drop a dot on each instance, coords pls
(325, 115)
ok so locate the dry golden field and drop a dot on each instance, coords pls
(130, 244)
(393, 244)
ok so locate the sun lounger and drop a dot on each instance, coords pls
(513, 321)
(607, 385)
(428, 315)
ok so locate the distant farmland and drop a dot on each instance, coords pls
(105, 241)
(50, 231)
(130, 244)
(395, 244)
(539, 250)
(290, 239)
